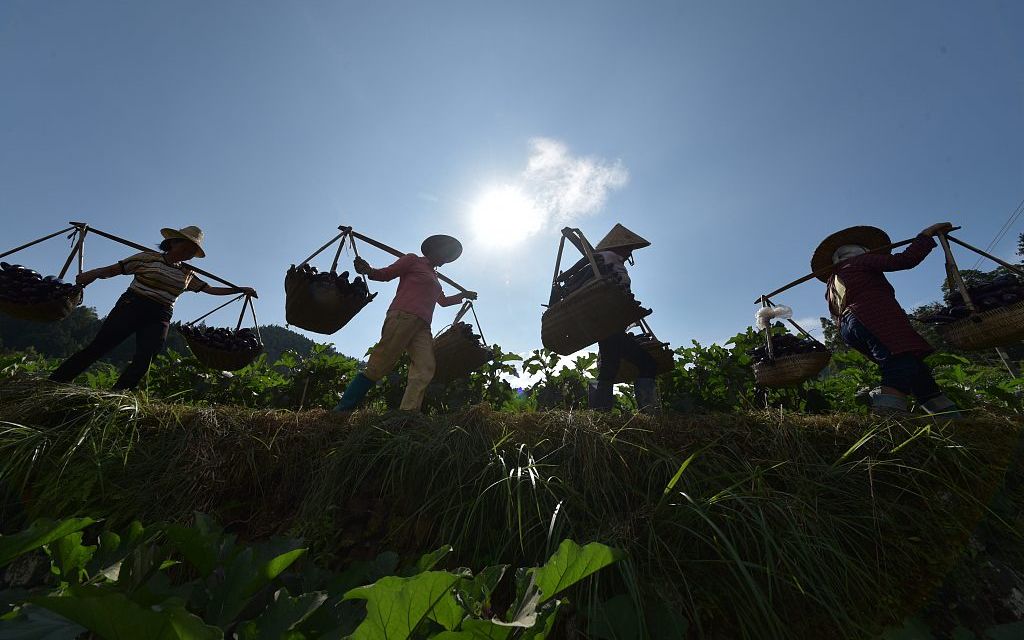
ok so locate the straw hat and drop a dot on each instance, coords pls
(444, 247)
(869, 237)
(621, 238)
(191, 233)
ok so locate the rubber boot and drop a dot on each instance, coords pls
(354, 393)
(646, 390)
(602, 395)
(942, 408)
(887, 404)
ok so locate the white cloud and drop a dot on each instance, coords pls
(554, 189)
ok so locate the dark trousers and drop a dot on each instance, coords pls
(147, 319)
(905, 372)
(621, 345)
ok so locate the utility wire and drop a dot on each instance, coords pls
(1014, 215)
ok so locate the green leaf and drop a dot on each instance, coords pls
(430, 560)
(570, 564)
(242, 579)
(199, 547)
(113, 615)
(282, 616)
(70, 557)
(395, 606)
(34, 623)
(475, 594)
(615, 619)
(477, 630)
(41, 532)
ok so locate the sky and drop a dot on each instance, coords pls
(734, 136)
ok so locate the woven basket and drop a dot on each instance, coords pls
(49, 311)
(457, 355)
(988, 329)
(791, 370)
(593, 312)
(319, 306)
(221, 359)
(663, 357)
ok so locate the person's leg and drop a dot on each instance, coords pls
(646, 388)
(929, 396)
(893, 393)
(149, 340)
(398, 329)
(602, 392)
(117, 326)
(421, 369)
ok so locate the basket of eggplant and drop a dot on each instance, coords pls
(223, 348)
(28, 295)
(459, 351)
(588, 302)
(790, 361)
(323, 301)
(996, 319)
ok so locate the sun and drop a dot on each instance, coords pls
(504, 216)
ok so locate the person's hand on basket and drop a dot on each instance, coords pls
(937, 229)
(249, 291)
(361, 266)
(85, 278)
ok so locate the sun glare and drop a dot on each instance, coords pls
(504, 216)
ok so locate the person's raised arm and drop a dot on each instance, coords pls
(447, 301)
(228, 291)
(910, 257)
(390, 272)
(87, 277)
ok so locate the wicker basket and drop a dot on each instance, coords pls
(49, 311)
(319, 306)
(221, 359)
(457, 355)
(663, 357)
(988, 329)
(595, 311)
(791, 370)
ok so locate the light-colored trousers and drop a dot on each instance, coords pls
(404, 332)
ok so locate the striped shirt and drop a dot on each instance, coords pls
(159, 280)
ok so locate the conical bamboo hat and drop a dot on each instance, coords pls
(621, 238)
(870, 238)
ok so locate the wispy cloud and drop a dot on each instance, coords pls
(565, 186)
(553, 190)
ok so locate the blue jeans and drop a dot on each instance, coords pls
(904, 372)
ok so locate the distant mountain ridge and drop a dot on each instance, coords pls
(61, 339)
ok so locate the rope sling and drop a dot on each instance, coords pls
(222, 348)
(785, 370)
(26, 295)
(457, 350)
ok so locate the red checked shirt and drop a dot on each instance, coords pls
(418, 288)
(859, 286)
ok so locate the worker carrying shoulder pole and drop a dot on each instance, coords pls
(869, 318)
(616, 249)
(145, 309)
(407, 324)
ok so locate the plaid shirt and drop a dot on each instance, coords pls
(859, 286)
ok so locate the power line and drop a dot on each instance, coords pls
(1010, 221)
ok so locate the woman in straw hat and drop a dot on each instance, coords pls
(407, 324)
(145, 308)
(863, 304)
(616, 249)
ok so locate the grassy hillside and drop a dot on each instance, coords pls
(747, 525)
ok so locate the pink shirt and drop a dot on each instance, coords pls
(418, 287)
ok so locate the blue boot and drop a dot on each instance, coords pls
(354, 393)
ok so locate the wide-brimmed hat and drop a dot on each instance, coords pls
(443, 247)
(621, 238)
(191, 233)
(870, 238)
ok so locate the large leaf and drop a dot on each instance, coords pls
(242, 579)
(570, 564)
(282, 616)
(34, 623)
(201, 545)
(475, 594)
(41, 532)
(477, 630)
(113, 615)
(395, 606)
(70, 557)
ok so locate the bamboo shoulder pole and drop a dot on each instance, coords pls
(35, 242)
(399, 254)
(991, 257)
(142, 247)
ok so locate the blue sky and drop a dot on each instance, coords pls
(733, 135)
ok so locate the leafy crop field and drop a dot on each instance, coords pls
(759, 524)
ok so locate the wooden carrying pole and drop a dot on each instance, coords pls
(888, 247)
(396, 253)
(142, 247)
